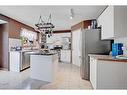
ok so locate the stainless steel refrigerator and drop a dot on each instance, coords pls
(91, 44)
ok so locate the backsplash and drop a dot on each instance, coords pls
(124, 41)
(14, 42)
(28, 38)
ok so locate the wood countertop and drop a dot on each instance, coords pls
(107, 58)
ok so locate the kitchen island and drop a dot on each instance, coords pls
(43, 66)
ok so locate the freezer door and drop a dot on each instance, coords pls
(94, 44)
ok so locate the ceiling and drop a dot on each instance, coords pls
(60, 14)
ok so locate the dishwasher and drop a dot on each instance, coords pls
(25, 60)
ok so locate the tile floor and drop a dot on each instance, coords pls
(68, 77)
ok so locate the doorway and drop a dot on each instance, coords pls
(3, 45)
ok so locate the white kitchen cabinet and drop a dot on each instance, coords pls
(93, 70)
(57, 37)
(108, 74)
(113, 22)
(65, 56)
(106, 20)
(15, 58)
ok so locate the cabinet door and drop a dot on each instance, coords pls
(120, 21)
(106, 21)
(93, 63)
(14, 61)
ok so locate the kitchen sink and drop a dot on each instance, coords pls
(121, 57)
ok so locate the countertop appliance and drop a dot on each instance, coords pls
(16, 48)
(91, 43)
(25, 60)
(117, 49)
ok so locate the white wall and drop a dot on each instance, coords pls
(124, 41)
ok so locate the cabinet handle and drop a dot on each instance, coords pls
(80, 56)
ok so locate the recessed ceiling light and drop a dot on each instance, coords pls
(71, 17)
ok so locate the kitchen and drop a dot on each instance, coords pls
(86, 45)
(24, 42)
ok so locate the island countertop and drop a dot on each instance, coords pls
(35, 52)
(107, 58)
(41, 53)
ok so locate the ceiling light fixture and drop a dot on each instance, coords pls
(71, 13)
(71, 17)
(45, 27)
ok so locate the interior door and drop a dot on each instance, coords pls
(76, 47)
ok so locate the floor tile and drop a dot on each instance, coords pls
(67, 77)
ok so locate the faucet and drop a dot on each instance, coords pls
(31, 47)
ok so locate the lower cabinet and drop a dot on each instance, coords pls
(93, 71)
(108, 74)
(65, 56)
(15, 58)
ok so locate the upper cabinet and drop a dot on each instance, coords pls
(106, 21)
(113, 22)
